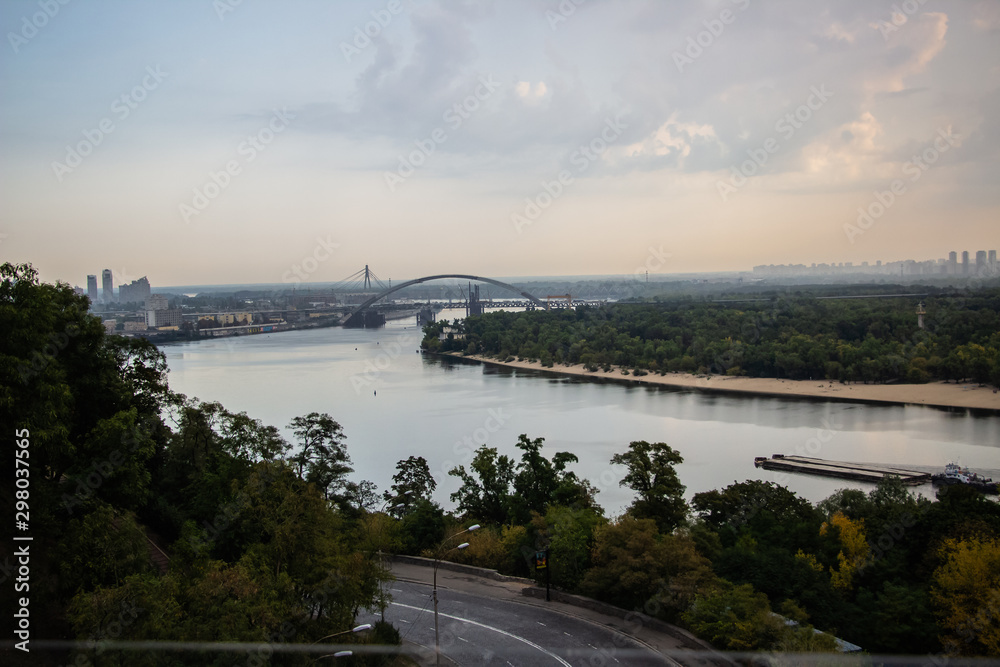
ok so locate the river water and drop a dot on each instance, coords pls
(394, 403)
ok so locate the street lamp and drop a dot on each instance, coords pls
(343, 654)
(437, 559)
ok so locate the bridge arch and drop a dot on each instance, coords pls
(364, 306)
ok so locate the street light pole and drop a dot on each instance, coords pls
(437, 559)
(342, 654)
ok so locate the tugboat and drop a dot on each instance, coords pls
(956, 474)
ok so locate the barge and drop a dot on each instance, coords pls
(861, 472)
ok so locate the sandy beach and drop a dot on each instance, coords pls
(936, 394)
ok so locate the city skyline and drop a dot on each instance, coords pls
(984, 266)
(235, 143)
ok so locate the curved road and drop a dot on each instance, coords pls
(480, 630)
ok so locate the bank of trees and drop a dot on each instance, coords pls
(266, 540)
(849, 340)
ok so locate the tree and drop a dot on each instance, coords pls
(322, 458)
(540, 482)
(652, 476)
(422, 528)
(412, 482)
(735, 618)
(854, 553)
(485, 490)
(966, 595)
(568, 533)
(634, 566)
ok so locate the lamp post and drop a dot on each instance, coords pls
(343, 654)
(405, 497)
(437, 559)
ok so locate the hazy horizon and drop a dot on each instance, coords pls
(232, 142)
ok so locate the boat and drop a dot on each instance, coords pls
(956, 474)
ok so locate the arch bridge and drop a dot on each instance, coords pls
(357, 316)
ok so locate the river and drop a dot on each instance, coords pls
(394, 402)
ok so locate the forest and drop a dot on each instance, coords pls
(271, 542)
(798, 337)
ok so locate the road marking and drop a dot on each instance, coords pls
(463, 639)
(541, 624)
(490, 627)
(567, 634)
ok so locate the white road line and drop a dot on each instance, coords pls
(490, 627)
(463, 639)
(541, 624)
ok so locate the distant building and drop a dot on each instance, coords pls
(965, 262)
(168, 317)
(952, 263)
(235, 319)
(135, 326)
(92, 288)
(980, 261)
(107, 280)
(156, 302)
(135, 292)
(109, 325)
(992, 261)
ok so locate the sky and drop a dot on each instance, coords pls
(228, 141)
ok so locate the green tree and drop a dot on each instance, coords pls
(651, 474)
(412, 482)
(322, 458)
(735, 618)
(635, 567)
(486, 488)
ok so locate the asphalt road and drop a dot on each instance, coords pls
(480, 630)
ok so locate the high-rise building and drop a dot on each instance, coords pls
(135, 292)
(92, 288)
(965, 262)
(980, 261)
(108, 291)
(992, 261)
(952, 263)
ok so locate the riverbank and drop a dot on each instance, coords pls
(933, 394)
